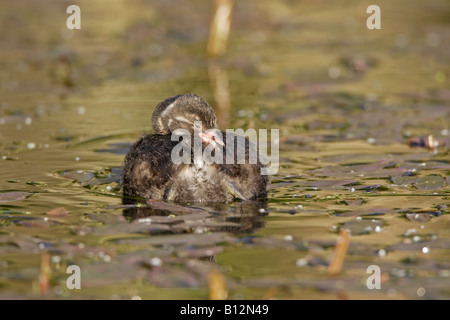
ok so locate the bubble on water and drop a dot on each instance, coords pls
(56, 259)
(262, 210)
(301, 262)
(107, 258)
(31, 145)
(426, 250)
(444, 273)
(145, 220)
(28, 121)
(421, 292)
(352, 189)
(371, 140)
(41, 246)
(4, 157)
(77, 158)
(156, 262)
(358, 218)
(416, 238)
(288, 237)
(81, 110)
(45, 219)
(378, 229)
(400, 273)
(382, 253)
(410, 231)
(108, 188)
(334, 72)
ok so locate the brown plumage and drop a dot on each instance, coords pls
(150, 173)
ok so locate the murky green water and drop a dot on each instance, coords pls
(346, 100)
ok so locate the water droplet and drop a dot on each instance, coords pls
(77, 159)
(381, 253)
(444, 273)
(334, 72)
(28, 121)
(426, 250)
(31, 145)
(421, 292)
(156, 262)
(81, 110)
(378, 229)
(416, 238)
(288, 237)
(301, 263)
(145, 220)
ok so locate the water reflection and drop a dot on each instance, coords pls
(218, 78)
(238, 217)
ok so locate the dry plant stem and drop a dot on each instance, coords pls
(220, 27)
(339, 253)
(216, 286)
(44, 277)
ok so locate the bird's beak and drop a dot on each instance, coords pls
(212, 137)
